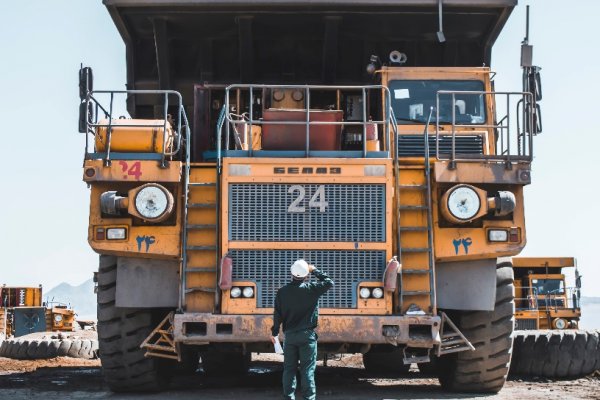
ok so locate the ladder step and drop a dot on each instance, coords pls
(200, 289)
(416, 293)
(453, 342)
(414, 208)
(415, 271)
(202, 205)
(202, 226)
(413, 187)
(201, 248)
(203, 184)
(413, 229)
(200, 269)
(415, 250)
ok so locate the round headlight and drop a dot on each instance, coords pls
(153, 202)
(560, 323)
(248, 292)
(235, 292)
(58, 318)
(463, 203)
(365, 293)
(377, 293)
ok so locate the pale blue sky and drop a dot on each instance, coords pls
(44, 207)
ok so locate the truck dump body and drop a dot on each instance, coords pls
(176, 44)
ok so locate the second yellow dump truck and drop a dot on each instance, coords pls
(358, 135)
(543, 299)
(548, 342)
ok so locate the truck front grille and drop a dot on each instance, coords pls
(526, 324)
(270, 270)
(414, 146)
(260, 212)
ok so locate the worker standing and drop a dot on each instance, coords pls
(297, 308)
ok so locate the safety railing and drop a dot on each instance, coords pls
(230, 121)
(528, 301)
(94, 109)
(513, 135)
(532, 300)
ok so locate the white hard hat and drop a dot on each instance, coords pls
(299, 269)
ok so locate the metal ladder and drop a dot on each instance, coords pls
(200, 243)
(417, 256)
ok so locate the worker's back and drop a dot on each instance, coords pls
(297, 302)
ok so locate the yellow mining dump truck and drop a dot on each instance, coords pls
(547, 340)
(22, 312)
(362, 136)
(542, 298)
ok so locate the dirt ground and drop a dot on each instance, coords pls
(342, 379)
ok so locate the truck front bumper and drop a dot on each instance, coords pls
(413, 331)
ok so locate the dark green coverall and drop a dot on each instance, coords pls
(296, 306)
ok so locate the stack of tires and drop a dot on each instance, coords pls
(555, 353)
(31, 347)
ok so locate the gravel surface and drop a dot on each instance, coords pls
(343, 379)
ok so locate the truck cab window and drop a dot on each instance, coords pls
(412, 99)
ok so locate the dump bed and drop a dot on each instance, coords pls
(173, 44)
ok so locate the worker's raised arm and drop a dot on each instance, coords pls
(325, 282)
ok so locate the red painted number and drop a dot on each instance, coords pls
(135, 170)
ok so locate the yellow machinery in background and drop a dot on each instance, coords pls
(543, 299)
(22, 311)
(402, 180)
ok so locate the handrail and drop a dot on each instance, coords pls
(92, 121)
(250, 121)
(524, 139)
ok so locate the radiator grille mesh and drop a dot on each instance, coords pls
(526, 324)
(270, 270)
(259, 212)
(413, 146)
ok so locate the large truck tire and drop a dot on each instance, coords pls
(556, 354)
(33, 349)
(385, 362)
(217, 362)
(490, 332)
(120, 333)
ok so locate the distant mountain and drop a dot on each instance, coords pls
(81, 298)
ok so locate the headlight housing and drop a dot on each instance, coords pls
(248, 292)
(364, 293)
(151, 202)
(463, 203)
(58, 318)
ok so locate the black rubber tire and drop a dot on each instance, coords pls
(33, 349)
(485, 369)
(120, 333)
(385, 362)
(556, 354)
(216, 363)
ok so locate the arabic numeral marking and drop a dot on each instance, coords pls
(316, 201)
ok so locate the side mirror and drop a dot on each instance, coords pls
(85, 115)
(86, 82)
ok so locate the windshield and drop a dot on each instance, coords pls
(547, 286)
(411, 101)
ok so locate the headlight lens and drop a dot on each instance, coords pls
(377, 293)
(498, 235)
(365, 293)
(116, 234)
(463, 203)
(235, 292)
(248, 292)
(58, 318)
(152, 202)
(560, 323)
